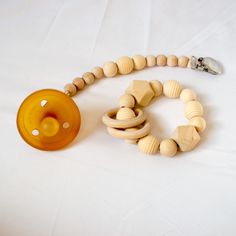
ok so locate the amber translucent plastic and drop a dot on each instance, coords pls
(48, 119)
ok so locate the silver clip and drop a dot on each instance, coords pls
(207, 64)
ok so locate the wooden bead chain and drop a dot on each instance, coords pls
(130, 122)
(49, 119)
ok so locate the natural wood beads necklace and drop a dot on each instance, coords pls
(49, 119)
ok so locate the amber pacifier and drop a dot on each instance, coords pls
(48, 119)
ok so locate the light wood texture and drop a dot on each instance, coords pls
(199, 123)
(142, 91)
(183, 61)
(188, 95)
(88, 78)
(168, 147)
(135, 134)
(149, 144)
(186, 137)
(157, 87)
(127, 100)
(110, 69)
(172, 61)
(125, 113)
(161, 60)
(131, 141)
(71, 89)
(172, 89)
(98, 72)
(79, 83)
(192, 109)
(125, 65)
(139, 62)
(108, 119)
(151, 60)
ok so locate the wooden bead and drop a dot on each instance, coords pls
(139, 62)
(186, 137)
(156, 87)
(172, 89)
(131, 141)
(127, 100)
(199, 123)
(183, 61)
(125, 65)
(88, 78)
(168, 147)
(192, 109)
(110, 69)
(151, 60)
(161, 60)
(172, 61)
(125, 113)
(79, 83)
(149, 144)
(71, 89)
(142, 91)
(188, 95)
(98, 72)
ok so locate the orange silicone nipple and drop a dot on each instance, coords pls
(48, 119)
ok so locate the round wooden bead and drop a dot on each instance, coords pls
(132, 141)
(125, 113)
(151, 60)
(168, 147)
(139, 62)
(156, 87)
(110, 69)
(98, 72)
(192, 109)
(172, 89)
(125, 65)
(188, 95)
(172, 61)
(161, 60)
(88, 78)
(199, 123)
(183, 61)
(127, 100)
(71, 89)
(149, 144)
(79, 83)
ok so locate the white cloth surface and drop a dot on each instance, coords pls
(99, 185)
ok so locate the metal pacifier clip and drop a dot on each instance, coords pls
(49, 119)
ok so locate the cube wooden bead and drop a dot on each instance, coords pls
(79, 83)
(172, 89)
(71, 89)
(125, 113)
(127, 100)
(142, 92)
(139, 62)
(192, 109)
(161, 60)
(98, 72)
(156, 87)
(172, 61)
(151, 60)
(149, 144)
(88, 78)
(125, 65)
(168, 147)
(183, 61)
(110, 69)
(188, 95)
(186, 137)
(199, 123)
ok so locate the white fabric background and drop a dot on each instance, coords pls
(99, 185)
